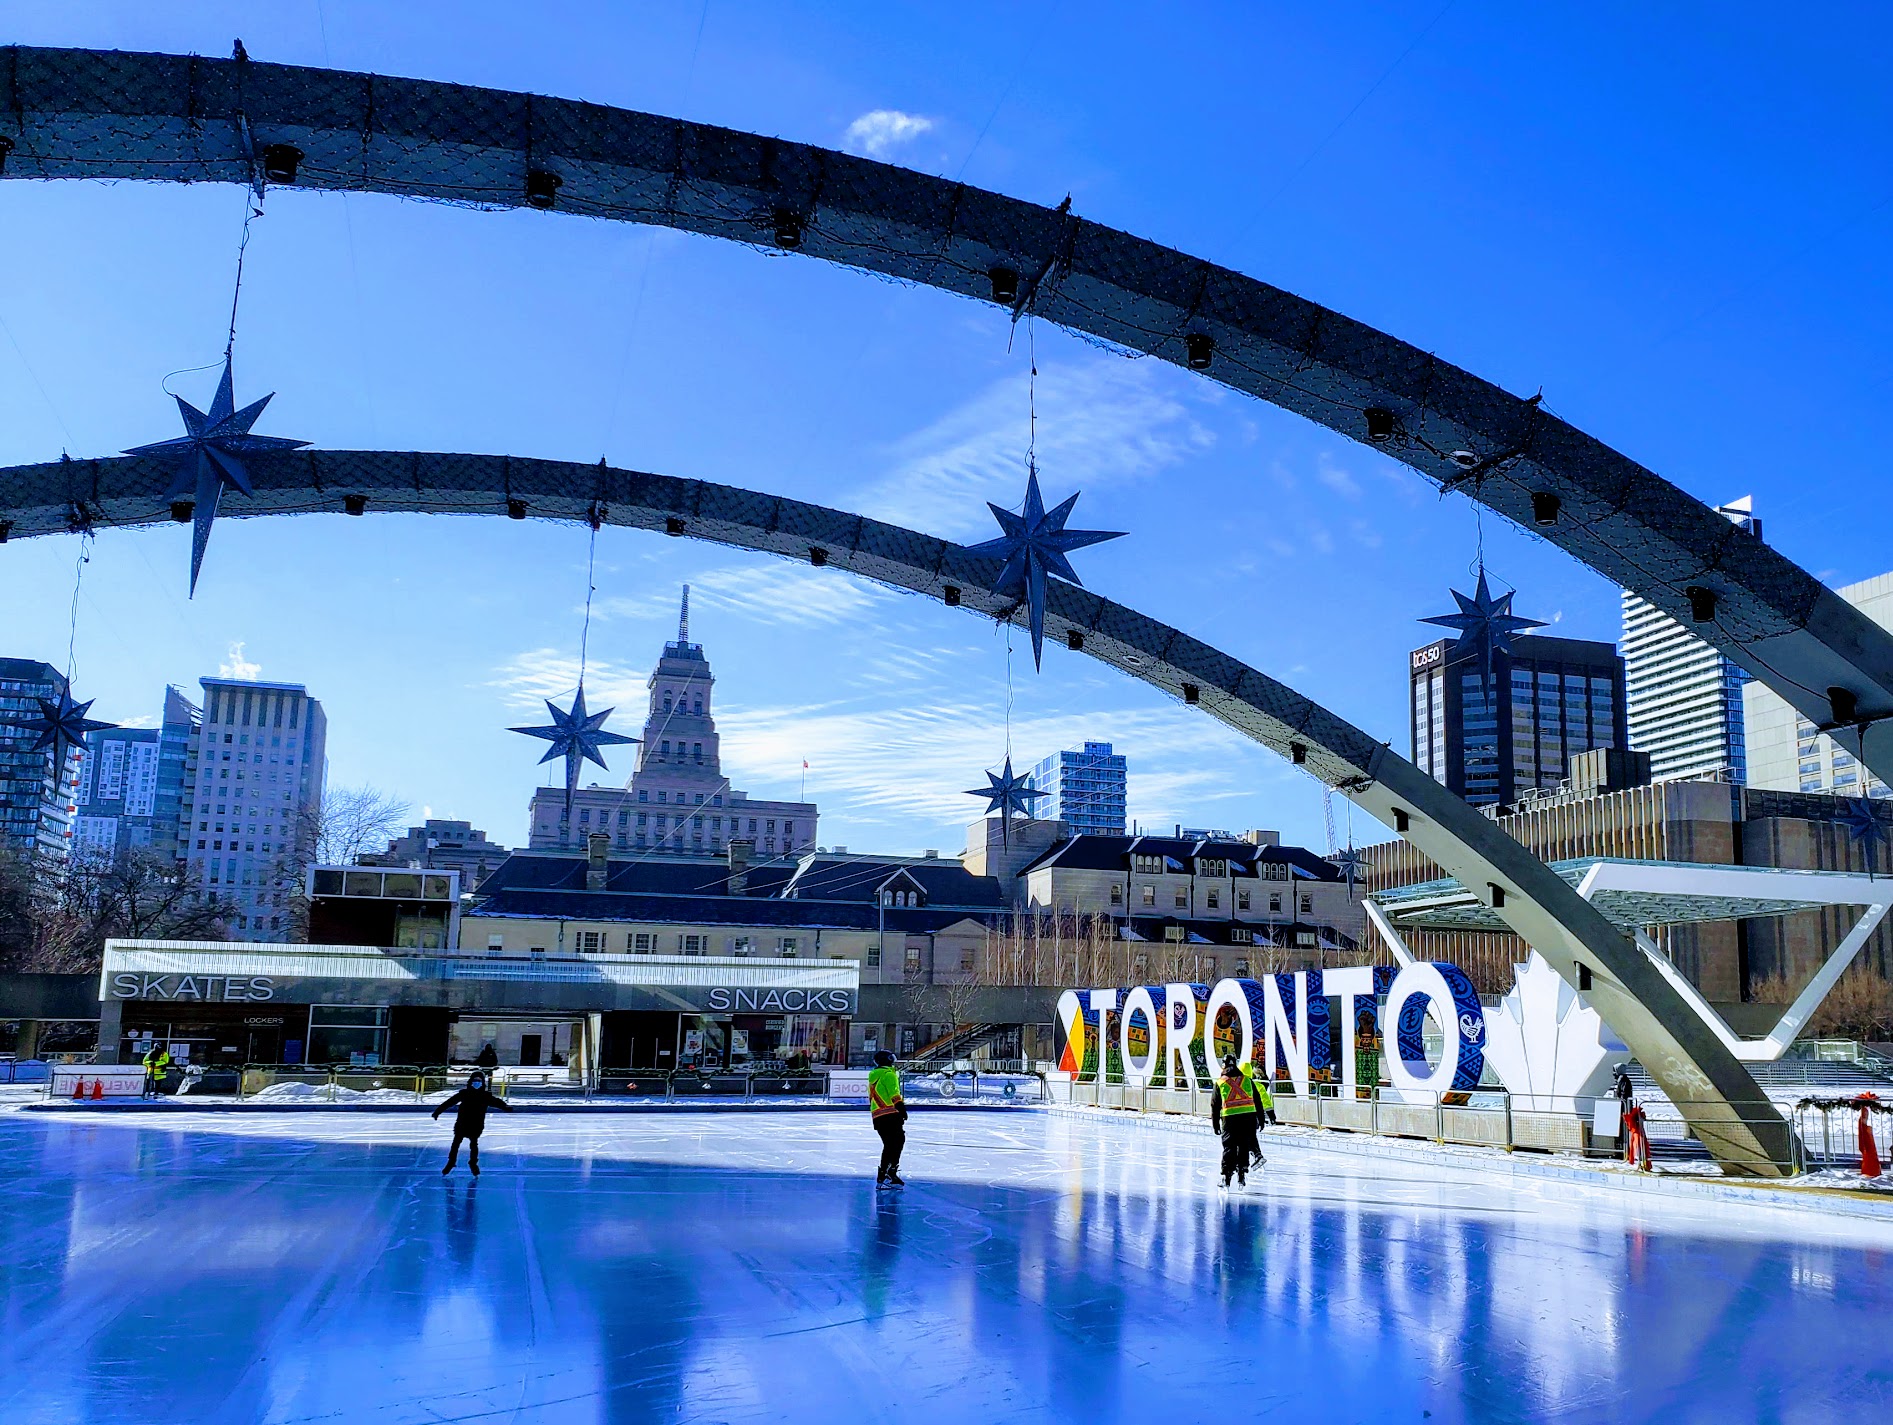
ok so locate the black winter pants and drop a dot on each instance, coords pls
(893, 1138)
(473, 1151)
(1239, 1144)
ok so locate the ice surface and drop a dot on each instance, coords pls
(304, 1267)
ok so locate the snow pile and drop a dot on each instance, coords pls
(323, 1093)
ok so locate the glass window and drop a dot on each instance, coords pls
(1150, 895)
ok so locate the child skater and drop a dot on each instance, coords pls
(470, 1121)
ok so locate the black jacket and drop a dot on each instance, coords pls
(472, 1103)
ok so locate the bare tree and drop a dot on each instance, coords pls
(59, 921)
(1860, 1006)
(355, 822)
(960, 992)
(350, 823)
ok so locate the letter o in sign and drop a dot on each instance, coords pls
(1423, 979)
(1139, 1072)
(1228, 994)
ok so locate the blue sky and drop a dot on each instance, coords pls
(1672, 219)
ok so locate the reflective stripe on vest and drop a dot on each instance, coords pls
(1238, 1098)
(884, 1092)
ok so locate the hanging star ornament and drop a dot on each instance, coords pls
(210, 455)
(1034, 545)
(1866, 829)
(1006, 793)
(1351, 864)
(576, 736)
(62, 725)
(1485, 625)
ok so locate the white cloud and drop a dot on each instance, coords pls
(911, 761)
(238, 667)
(879, 132)
(1101, 420)
(541, 673)
(775, 592)
(1337, 479)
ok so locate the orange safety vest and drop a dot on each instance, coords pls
(884, 1092)
(1238, 1098)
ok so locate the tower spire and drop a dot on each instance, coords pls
(683, 618)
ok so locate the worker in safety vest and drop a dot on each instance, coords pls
(889, 1111)
(1235, 1110)
(157, 1060)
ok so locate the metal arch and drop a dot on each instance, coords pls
(67, 113)
(1726, 1109)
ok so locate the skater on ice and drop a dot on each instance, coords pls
(471, 1104)
(1234, 1112)
(889, 1112)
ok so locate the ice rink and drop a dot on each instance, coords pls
(308, 1266)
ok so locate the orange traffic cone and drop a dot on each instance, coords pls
(78, 1089)
(1869, 1152)
(98, 1088)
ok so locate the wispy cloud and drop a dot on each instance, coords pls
(889, 765)
(1337, 479)
(237, 666)
(1100, 421)
(879, 132)
(526, 680)
(769, 593)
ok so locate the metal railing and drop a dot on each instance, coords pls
(1483, 1117)
(1829, 1130)
(415, 1082)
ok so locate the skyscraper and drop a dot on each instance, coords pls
(37, 797)
(1684, 698)
(678, 802)
(1785, 752)
(1086, 789)
(253, 797)
(131, 788)
(1493, 729)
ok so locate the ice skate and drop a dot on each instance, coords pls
(894, 1179)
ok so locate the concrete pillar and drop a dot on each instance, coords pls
(111, 1029)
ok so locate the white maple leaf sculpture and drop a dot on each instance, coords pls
(1549, 1048)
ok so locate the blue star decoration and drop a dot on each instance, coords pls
(1350, 863)
(60, 724)
(576, 736)
(1006, 793)
(210, 455)
(1485, 624)
(1034, 545)
(1866, 828)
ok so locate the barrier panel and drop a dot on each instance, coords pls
(1488, 1120)
(96, 1081)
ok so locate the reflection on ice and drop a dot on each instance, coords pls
(295, 1267)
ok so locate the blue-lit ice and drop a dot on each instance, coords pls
(315, 1267)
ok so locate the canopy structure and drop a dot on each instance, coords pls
(1636, 896)
(69, 113)
(1645, 1006)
